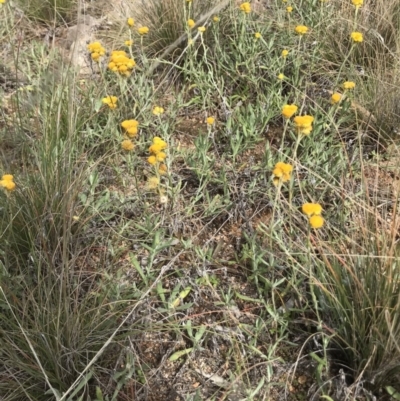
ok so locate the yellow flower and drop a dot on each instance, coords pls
(191, 23)
(7, 182)
(152, 160)
(210, 120)
(110, 101)
(301, 29)
(95, 56)
(349, 85)
(285, 53)
(311, 209)
(155, 148)
(130, 21)
(161, 156)
(96, 50)
(129, 42)
(2, 2)
(304, 124)
(216, 19)
(357, 37)
(158, 111)
(335, 98)
(289, 9)
(257, 35)
(160, 142)
(282, 172)
(316, 221)
(143, 30)
(130, 127)
(156, 151)
(288, 110)
(127, 144)
(201, 29)
(153, 182)
(284, 1)
(281, 76)
(357, 3)
(121, 63)
(245, 7)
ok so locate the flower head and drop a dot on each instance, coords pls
(304, 124)
(130, 21)
(120, 63)
(357, 3)
(285, 53)
(335, 98)
(210, 120)
(348, 85)
(156, 151)
(289, 9)
(96, 50)
(157, 111)
(191, 23)
(216, 18)
(301, 29)
(110, 101)
(257, 35)
(288, 110)
(128, 42)
(316, 221)
(201, 29)
(357, 37)
(282, 172)
(245, 7)
(281, 76)
(7, 182)
(127, 144)
(311, 209)
(130, 127)
(143, 30)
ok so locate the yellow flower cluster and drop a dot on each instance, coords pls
(201, 29)
(357, 37)
(191, 23)
(245, 7)
(96, 50)
(349, 85)
(304, 124)
(336, 97)
(130, 127)
(285, 53)
(282, 172)
(121, 63)
(257, 35)
(289, 110)
(357, 3)
(313, 212)
(289, 9)
(301, 29)
(144, 30)
(156, 152)
(130, 22)
(110, 101)
(210, 120)
(7, 182)
(157, 111)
